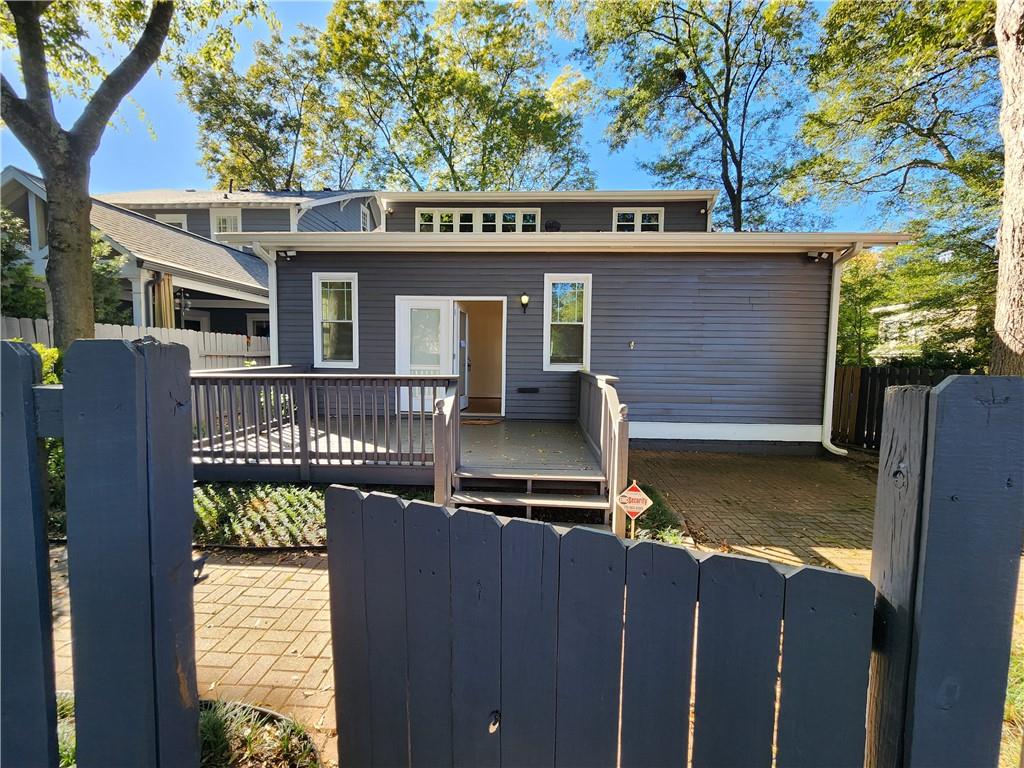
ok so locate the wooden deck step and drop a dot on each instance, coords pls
(563, 500)
(522, 473)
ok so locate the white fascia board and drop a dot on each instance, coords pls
(587, 242)
(783, 433)
(583, 196)
(193, 284)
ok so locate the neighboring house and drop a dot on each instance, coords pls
(902, 330)
(216, 211)
(713, 336)
(170, 277)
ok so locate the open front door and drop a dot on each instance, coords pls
(462, 353)
(423, 340)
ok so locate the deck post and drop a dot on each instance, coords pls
(442, 441)
(620, 464)
(28, 708)
(948, 528)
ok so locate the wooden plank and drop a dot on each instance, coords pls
(592, 577)
(529, 632)
(741, 603)
(108, 553)
(661, 598)
(894, 544)
(171, 514)
(28, 708)
(960, 643)
(476, 638)
(826, 646)
(384, 574)
(429, 633)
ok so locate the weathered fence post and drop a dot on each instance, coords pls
(946, 552)
(28, 709)
(127, 427)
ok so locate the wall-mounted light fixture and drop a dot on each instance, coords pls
(525, 301)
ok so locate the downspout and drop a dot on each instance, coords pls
(830, 354)
(271, 261)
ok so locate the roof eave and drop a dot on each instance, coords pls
(671, 242)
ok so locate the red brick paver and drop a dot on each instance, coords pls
(262, 636)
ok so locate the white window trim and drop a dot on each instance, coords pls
(201, 315)
(478, 218)
(365, 219)
(215, 212)
(318, 341)
(636, 221)
(250, 317)
(180, 219)
(560, 277)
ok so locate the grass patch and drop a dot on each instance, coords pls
(659, 522)
(269, 514)
(1013, 712)
(231, 735)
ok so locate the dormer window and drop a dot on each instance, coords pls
(638, 219)
(467, 220)
(225, 220)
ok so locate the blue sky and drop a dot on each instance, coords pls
(131, 157)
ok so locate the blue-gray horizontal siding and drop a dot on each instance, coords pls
(331, 217)
(680, 216)
(718, 338)
(253, 219)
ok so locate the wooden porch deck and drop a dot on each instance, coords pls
(515, 445)
(281, 425)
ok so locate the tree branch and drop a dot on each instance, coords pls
(32, 52)
(23, 122)
(88, 129)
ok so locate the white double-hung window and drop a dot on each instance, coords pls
(225, 220)
(566, 322)
(466, 220)
(638, 219)
(335, 320)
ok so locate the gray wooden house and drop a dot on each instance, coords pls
(542, 304)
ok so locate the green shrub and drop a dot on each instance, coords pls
(659, 522)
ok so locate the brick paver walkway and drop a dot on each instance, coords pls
(262, 636)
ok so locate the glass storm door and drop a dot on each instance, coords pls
(462, 346)
(423, 342)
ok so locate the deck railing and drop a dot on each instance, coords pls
(312, 422)
(604, 422)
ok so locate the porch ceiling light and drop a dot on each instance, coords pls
(525, 301)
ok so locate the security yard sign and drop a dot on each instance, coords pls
(634, 502)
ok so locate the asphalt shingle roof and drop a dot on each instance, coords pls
(149, 240)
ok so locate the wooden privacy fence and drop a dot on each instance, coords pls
(605, 425)
(278, 424)
(859, 399)
(468, 639)
(206, 350)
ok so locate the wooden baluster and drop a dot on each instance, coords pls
(376, 443)
(362, 419)
(412, 442)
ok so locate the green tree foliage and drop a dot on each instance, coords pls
(275, 126)
(716, 81)
(21, 292)
(456, 98)
(864, 288)
(106, 284)
(906, 117)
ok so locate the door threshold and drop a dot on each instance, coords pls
(481, 415)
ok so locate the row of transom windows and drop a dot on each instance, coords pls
(468, 220)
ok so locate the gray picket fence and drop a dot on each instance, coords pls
(462, 638)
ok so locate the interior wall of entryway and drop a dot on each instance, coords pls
(485, 322)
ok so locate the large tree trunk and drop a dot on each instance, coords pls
(69, 266)
(1008, 344)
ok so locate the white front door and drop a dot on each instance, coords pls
(423, 339)
(462, 350)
